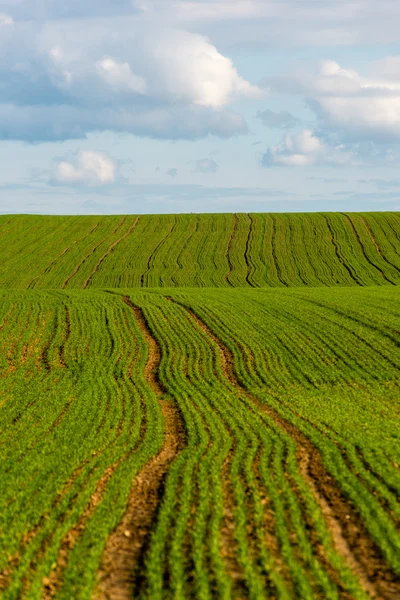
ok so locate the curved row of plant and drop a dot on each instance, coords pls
(220, 250)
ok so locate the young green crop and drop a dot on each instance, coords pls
(279, 393)
(220, 250)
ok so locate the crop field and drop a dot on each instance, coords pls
(222, 443)
(223, 250)
(200, 407)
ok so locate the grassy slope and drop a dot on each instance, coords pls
(239, 364)
(221, 250)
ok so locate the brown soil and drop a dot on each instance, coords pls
(351, 540)
(122, 558)
(229, 544)
(5, 574)
(120, 568)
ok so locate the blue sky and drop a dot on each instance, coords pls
(141, 106)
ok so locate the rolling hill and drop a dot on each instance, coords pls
(220, 250)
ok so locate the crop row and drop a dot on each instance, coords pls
(220, 250)
(250, 436)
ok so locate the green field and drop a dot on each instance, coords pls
(222, 250)
(162, 441)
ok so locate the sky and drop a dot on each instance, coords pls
(171, 106)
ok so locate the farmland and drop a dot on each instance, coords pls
(237, 441)
(225, 250)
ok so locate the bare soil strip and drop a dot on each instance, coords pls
(119, 572)
(111, 248)
(350, 538)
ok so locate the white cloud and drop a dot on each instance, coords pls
(90, 168)
(357, 107)
(306, 149)
(186, 67)
(362, 107)
(119, 76)
(140, 78)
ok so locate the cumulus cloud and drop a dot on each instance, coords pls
(358, 107)
(187, 67)
(89, 168)
(119, 76)
(206, 165)
(147, 80)
(306, 149)
(280, 120)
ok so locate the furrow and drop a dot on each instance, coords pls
(126, 546)
(75, 271)
(182, 250)
(111, 248)
(52, 584)
(228, 252)
(247, 252)
(374, 241)
(67, 336)
(338, 255)
(273, 250)
(357, 235)
(151, 257)
(331, 501)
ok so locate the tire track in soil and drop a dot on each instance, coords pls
(119, 573)
(228, 252)
(349, 536)
(229, 545)
(249, 265)
(108, 252)
(152, 256)
(341, 260)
